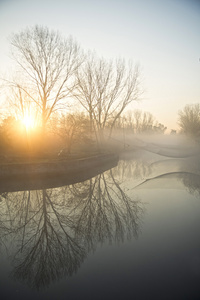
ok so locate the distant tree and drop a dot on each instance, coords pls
(159, 128)
(143, 121)
(137, 121)
(12, 135)
(72, 128)
(46, 65)
(189, 119)
(104, 89)
(6, 131)
(173, 132)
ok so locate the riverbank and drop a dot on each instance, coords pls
(51, 180)
(55, 167)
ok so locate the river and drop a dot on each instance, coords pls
(131, 232)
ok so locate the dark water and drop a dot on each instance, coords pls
(132, 232)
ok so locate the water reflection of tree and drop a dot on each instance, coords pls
(46, 244)
(54, 229)
(105, 212)
(192, 183)
(133, 167)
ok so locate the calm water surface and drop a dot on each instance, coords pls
(132, 232)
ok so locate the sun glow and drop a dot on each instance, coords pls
(28, 121)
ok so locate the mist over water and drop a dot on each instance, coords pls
(166, 157)
(134, 226)
(165, 145)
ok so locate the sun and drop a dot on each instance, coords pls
(28, 121)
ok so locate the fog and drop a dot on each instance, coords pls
(148, 201)
(168, 160)
(176, 146)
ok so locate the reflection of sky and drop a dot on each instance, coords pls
(164, 260)
(161, 35)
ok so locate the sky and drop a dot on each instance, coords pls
(161, 35)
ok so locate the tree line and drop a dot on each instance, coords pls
(53, 75)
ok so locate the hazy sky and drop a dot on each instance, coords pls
(162, 35)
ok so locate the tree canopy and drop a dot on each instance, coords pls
(46, 64)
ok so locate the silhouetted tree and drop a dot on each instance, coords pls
(72, 128)
(46, 64)
(104, 89)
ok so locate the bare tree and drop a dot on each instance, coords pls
(143, 121)
(46, 65)
(138, 121)
(105, 89)
(72, 129)
(189, 119)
